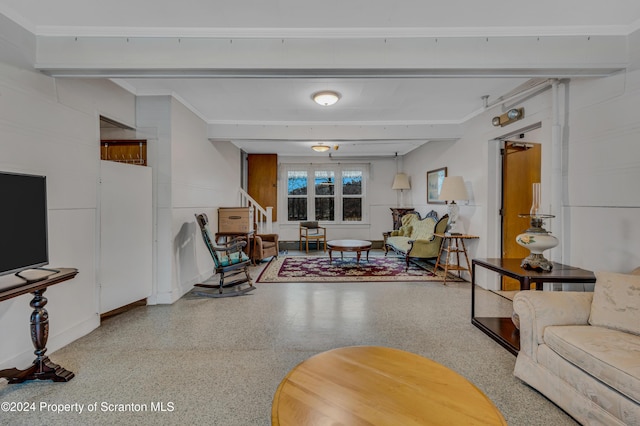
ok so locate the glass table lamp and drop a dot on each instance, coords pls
(453, 188)
(536, 239)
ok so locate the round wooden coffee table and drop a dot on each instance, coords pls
(375, 385)
(349, 245)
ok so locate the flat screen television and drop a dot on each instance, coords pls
(23, 222)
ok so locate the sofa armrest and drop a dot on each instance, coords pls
(424, 248)
(539, 309)
(268, 237)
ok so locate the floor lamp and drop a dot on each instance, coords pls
(401, 182)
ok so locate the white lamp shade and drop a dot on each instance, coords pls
(453, 188)
(401, 181)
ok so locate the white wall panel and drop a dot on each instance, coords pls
(604, 239)
(40, 135)
(126, 235)
(603, 150)
(17, 45)
(103, 96)
(204, 175)
(55, 122)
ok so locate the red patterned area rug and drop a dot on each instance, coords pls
(319, 269)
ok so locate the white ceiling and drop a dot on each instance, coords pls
(383, 109)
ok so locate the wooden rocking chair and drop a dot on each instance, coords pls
(231, 263)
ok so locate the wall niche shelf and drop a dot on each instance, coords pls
(129, 151)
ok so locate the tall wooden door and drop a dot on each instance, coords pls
(520, 170)
(262, 182)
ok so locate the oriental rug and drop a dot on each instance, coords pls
(318, 269)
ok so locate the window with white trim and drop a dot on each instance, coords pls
(326, 192)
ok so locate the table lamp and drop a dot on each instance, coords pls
(453, 188)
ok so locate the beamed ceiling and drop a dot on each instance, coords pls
(409, 72)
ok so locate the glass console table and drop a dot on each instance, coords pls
(502, 330)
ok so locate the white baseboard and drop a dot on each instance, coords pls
(170, 297)
(55, 342)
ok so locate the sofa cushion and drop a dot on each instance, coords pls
(399, 243)
(611, 356)
(616, 302)
(423, 229)
(405, 231)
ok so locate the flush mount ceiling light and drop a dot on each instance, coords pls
(320, 148)
(508, 117)
(326, 97)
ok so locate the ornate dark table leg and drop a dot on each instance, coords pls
(42, 367)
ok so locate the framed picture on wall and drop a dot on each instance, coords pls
(434, 183)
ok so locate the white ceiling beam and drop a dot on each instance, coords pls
(553, 56)
(334, 33)
(311, 132)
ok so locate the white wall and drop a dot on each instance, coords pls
(597, 221)
(379, 194)
(153, 122)
(604, 170)
(50, 127)
(205, 175)
(191, 175)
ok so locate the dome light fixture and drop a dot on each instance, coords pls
(326, 97)
(320, 148)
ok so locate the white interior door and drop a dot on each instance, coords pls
(126, 234)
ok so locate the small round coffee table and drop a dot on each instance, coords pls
(349, 245)
(374, 385)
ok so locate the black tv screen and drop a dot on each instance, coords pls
(23, 222)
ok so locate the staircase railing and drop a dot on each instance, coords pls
(262, 216)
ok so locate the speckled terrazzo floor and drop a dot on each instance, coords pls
(219, 361)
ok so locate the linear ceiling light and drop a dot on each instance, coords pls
(326, 97)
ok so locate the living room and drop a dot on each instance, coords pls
(588, 127)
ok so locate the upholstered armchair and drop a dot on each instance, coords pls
(264, 245)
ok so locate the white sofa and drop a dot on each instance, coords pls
(582, 350)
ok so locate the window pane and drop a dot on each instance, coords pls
(325, 183)
(297, 209)
(351, 183)
(297, 183)
(352, 209)
(324, 209)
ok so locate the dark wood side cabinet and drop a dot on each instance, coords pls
(502, 330)
(42, 368)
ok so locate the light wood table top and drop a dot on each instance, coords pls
(372, 385)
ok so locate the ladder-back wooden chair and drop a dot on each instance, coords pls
(312, 231)
(231, 263)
